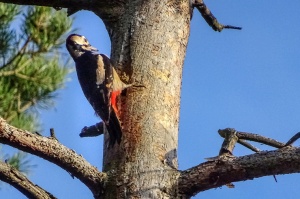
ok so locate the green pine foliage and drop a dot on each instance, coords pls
(31, 69)
(20, 161)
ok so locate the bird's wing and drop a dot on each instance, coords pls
(100, 71)
(109, 78)
(104, 81)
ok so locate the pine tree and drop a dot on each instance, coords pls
(31, 40)
(148, 46)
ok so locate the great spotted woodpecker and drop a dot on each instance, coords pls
(99, 81)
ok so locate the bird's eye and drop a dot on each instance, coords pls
(76, 46)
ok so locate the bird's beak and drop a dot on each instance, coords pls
(92, 48)
(89, 48)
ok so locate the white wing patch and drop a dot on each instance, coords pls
(100, 71)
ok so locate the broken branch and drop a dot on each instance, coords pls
(210, 18)
(253, 137)
(226, 169)
(92, 131)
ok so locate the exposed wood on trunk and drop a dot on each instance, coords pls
(149, 40)
(148, 44)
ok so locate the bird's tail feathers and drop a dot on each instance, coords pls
(114, 129)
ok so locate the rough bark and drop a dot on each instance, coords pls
(148, 44)
(51, 150)
(149, 40)
(224, 170)
(216, 172)
(19, 181)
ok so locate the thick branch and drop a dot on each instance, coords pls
(51, 150)
(16, 179)
(224, 170)
(107, 10)
(54, 3)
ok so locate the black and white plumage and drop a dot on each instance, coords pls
(99, 81)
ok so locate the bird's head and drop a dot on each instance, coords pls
(77, 45)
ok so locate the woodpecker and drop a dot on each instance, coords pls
(99, 81)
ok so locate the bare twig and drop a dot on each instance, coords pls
(52, 134)
(210, 18)
(274, 176)
(248, 145)
(15, 178)
(260, 139)
(293, 139)
(255, 138)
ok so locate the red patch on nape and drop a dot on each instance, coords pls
(113, 101)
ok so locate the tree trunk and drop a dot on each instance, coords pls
(149, 40)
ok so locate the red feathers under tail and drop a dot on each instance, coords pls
(113, 101)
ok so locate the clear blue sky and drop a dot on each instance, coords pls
(248, 80)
